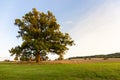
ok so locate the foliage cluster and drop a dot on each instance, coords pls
(41, 35)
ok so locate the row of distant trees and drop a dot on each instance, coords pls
(114, 55)
(40, 35)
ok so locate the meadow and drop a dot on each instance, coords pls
(81, 71)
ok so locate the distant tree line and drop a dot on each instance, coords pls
(114, 55)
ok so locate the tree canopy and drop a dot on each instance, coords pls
(40, 34)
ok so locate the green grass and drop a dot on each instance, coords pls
(84, 71)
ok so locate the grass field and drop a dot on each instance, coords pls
(83, 71)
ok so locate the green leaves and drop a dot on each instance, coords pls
(41, 32)
(16, 51)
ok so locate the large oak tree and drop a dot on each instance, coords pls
(41, 34)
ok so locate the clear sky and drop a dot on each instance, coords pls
(94, 25)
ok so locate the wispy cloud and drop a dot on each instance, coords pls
(68, 22)
(98, 32)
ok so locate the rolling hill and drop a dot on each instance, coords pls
(113, 55)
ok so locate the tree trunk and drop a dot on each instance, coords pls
(30, 59)
(60, 57)
(38, 58)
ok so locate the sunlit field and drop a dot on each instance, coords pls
(60, 71)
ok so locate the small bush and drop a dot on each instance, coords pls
(6, 60)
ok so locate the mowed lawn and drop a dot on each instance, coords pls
(83, 71)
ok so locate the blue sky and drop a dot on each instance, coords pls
(93, 24)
